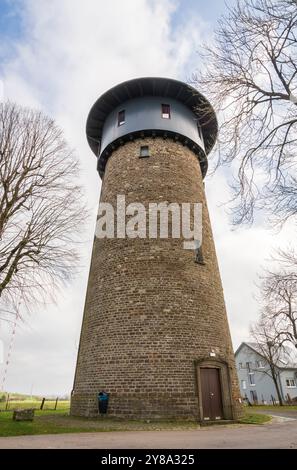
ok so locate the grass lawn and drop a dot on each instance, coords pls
(273, 408)
(251, 417)
(59, 422)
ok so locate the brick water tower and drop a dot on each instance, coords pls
(155, 333)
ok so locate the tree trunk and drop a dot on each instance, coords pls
(274, 378)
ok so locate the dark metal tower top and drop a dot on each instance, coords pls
(151, 106)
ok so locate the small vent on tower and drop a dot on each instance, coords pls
(199, 256)
(165, 111)
(121, 117)
(144, 151)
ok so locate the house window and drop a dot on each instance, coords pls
(165, 111)
(291, 383)
(240, 365)
(252, 378)
(248, 365)
(144, 151)
(243, 385)
(260, 364)
(121, 117)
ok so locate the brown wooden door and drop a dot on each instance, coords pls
(211, 394)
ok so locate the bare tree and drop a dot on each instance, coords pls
(250, 74)
(271, 348)
(279, 294)
(41, 208)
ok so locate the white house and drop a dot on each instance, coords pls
(256, 385)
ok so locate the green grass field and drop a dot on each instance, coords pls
(48, 405)
(254, 418)
(58, 422)
(273, 408)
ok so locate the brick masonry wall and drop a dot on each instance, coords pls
(150, 310)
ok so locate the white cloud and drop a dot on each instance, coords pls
(1, 90)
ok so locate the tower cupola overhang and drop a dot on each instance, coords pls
(150, 107)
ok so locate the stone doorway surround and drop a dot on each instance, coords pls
(222, 366)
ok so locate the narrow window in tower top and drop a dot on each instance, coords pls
(165, 111)
(144, 151)
(121, 117)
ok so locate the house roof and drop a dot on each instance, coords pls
(255, 347)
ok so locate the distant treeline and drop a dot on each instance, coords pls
(22, 397)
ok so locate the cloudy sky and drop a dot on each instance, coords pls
(60, 55)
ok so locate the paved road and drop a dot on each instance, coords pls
(276, 435)
(285, 414)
